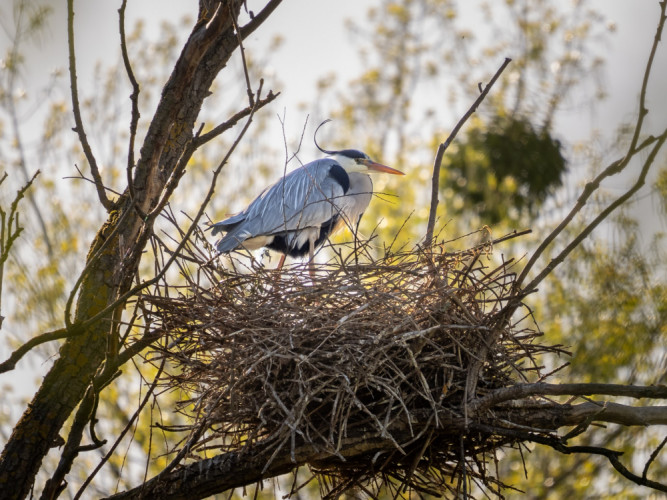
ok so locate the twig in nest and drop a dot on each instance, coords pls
(379, 348)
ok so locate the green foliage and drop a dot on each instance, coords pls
(503, 172)
(661, 188)
(607, 306)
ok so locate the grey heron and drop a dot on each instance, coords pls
(302, 209)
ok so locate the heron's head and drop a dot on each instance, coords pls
(353, 160)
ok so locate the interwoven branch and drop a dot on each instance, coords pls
(373, 346)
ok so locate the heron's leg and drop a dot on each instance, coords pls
(281, 262)
(311, 260)
(356, 240)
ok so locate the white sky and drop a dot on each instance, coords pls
(316, 43)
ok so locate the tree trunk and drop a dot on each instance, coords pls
(116, 251)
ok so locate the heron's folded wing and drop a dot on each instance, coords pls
(307, 197)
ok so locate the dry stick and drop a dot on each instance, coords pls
(94, 169)
(639, 183)
(134, 98)
(522, 391)
(92, 181)
(219, 129)
(613, 169)
(61, 333)
(652, 458)
(251, 97)
(435, 184)
(10, 228)
(123, 432)
(259, 18)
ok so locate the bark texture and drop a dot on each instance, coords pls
(116, 251)
(223, 472)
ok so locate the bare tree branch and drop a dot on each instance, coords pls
(258, 19)
(613, 169)
(558, 445)
(14, 118)
(122, 434)
(10, 228)
(61, 333)
(134, 97)
(521, 391)
(245, 64)
(94, 169)
(602, 216)
(230, 470)
(653, 456)
(233, 120)
(435, 181)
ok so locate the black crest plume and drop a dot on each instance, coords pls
(315, 138)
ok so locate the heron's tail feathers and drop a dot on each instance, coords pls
(228, 224)
(229, 242)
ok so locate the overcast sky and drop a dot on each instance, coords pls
(316, 43)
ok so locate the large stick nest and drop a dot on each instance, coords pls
(371, 365)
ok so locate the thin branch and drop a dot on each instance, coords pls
(134, 98)
(120, 437)
(61, 333)
(559, 446)
(10, 228)
(653, 456)
(23, 163)
(641, 480)
(435, 182)
(219, 129)
(595, 223)
(17, 39)
(521, 391)
(94, 169)
(614, 168)
(92, 181)
(643, 111)
(55, 484)
(251, 96)
(257, 20)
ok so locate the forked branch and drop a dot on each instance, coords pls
(613, 169)
(10, 229)
(602, 216)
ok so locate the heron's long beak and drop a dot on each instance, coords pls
(378, 167)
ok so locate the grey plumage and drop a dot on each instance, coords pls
(298, 213)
